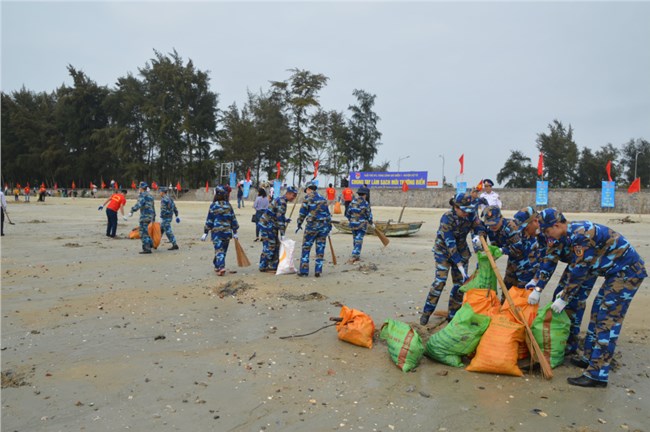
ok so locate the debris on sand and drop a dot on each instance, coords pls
(232, 288)
(13, 378)
(625, 220)
(72, 245)
(368, 267)
(304, 297)
(36, 221)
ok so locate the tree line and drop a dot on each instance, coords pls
(165, 124)
(565, 166)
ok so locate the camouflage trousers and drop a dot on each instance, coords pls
(318, 235)
(220, 250)
(166, 227)
(575, 309)
(357, 242)
(270, 249)
(147, 243)
(613, 299)
(443, 265)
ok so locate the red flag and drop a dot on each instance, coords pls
(540, 164)
(405, 187)
(74, 186)
(316, 164)
(248, 175)
(178, 186)
(56, 186)
(279, 169)
(18, 186)
(91, 185)
(608, 168)
(117, 186)
(462, 163)
(635, 186)
(103, 184)
(132, 184)
(154, 185)
(207, 187)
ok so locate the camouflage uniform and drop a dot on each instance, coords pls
(559, 251)
(147, 215)
(524, 253)
(601, 251)
(272, 224)
(222, 224)
(451, 249)
(359, 215)
(314, 210)
(167, 211)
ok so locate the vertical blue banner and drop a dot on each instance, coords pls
(247, 188)
(233, 180)
(607, 195)
(277, 185)
(541, 196)
(461, 187)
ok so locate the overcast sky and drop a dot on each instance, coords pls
(450, 78)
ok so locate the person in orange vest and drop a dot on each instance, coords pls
(331, 196)
(41, 193)
(27, 190)
(348, 195)
(116, 203)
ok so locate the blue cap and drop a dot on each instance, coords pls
(492, 215)
(163, 189)
(464, 201)
(549, 217)
(524, 216)
(311, 186)
(220, 190)
(292, 189)
(143, 185)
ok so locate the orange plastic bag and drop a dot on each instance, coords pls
(482, 301)
(498, 350)
(337, 208)
(356, 327)
(155, 233)
(520, 299)
(135, 233)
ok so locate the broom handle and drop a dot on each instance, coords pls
(329, 239)
(546, 367)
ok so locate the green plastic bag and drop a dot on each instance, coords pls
(459, 338)
(551, 331)
(483, 276)
(404, 344)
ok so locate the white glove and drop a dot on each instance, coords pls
(125, 218)
(204, 236)
(234, 236)
(532, 284)
(558, 305)
(476, 241)
(130, 214)
(533, 298)
(461, 269)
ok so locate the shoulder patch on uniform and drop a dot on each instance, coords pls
(579, 251)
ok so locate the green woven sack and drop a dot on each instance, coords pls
(551, 331)
(483, 276)
(459, 338)
(404, 344)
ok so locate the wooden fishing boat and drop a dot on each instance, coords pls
(390, 228)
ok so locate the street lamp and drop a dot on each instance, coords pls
(443, 170)
(400, 160)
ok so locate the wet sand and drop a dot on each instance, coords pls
(96, 337)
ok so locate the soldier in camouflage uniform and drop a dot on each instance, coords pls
(273, 223)
(596, 251)
(451, 252)
(359, 215)
(319, 224)
(167, 211)
(222, 224)
(147, 215)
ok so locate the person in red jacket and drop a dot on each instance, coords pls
(116, 203)
(348, 195)
(331, 196)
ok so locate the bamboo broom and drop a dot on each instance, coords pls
(533, 346)
(242, 259)
(382, 237)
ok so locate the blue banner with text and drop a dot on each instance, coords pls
(414, 179)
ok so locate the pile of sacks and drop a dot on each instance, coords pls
(483, 329)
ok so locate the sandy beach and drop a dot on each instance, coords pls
(96, 337)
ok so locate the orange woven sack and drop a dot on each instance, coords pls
(356, 327)
(135, 233)
(482, 301)
(337, 208)
(155, 233)
(498, 349)
(520, 299)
